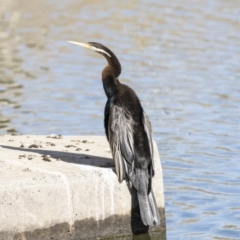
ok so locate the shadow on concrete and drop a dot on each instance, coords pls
(70, 157)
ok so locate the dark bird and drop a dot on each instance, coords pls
(129, 133)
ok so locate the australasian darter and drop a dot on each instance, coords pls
(129, 133)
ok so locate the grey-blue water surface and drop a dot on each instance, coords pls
(183, 60)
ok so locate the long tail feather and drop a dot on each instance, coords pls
(154, 209)
(148, 209)
(147, 203)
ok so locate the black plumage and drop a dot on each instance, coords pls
(128, 131)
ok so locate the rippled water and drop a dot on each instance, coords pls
(183, 60)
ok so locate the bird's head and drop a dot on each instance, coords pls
(113, 62)
(96, 47)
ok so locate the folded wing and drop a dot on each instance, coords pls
(120, 133)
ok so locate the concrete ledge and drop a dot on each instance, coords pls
(66, 188)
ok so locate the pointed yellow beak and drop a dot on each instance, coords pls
(86, 45)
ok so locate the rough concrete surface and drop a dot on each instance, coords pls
(54, 187)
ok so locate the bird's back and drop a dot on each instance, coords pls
(126, 103)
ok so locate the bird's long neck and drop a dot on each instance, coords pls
(110, 75)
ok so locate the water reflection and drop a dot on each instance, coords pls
(10, 63)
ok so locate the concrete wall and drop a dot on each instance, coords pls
(66, 188)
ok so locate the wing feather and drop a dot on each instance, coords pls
(148, 130)
(120, 130)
